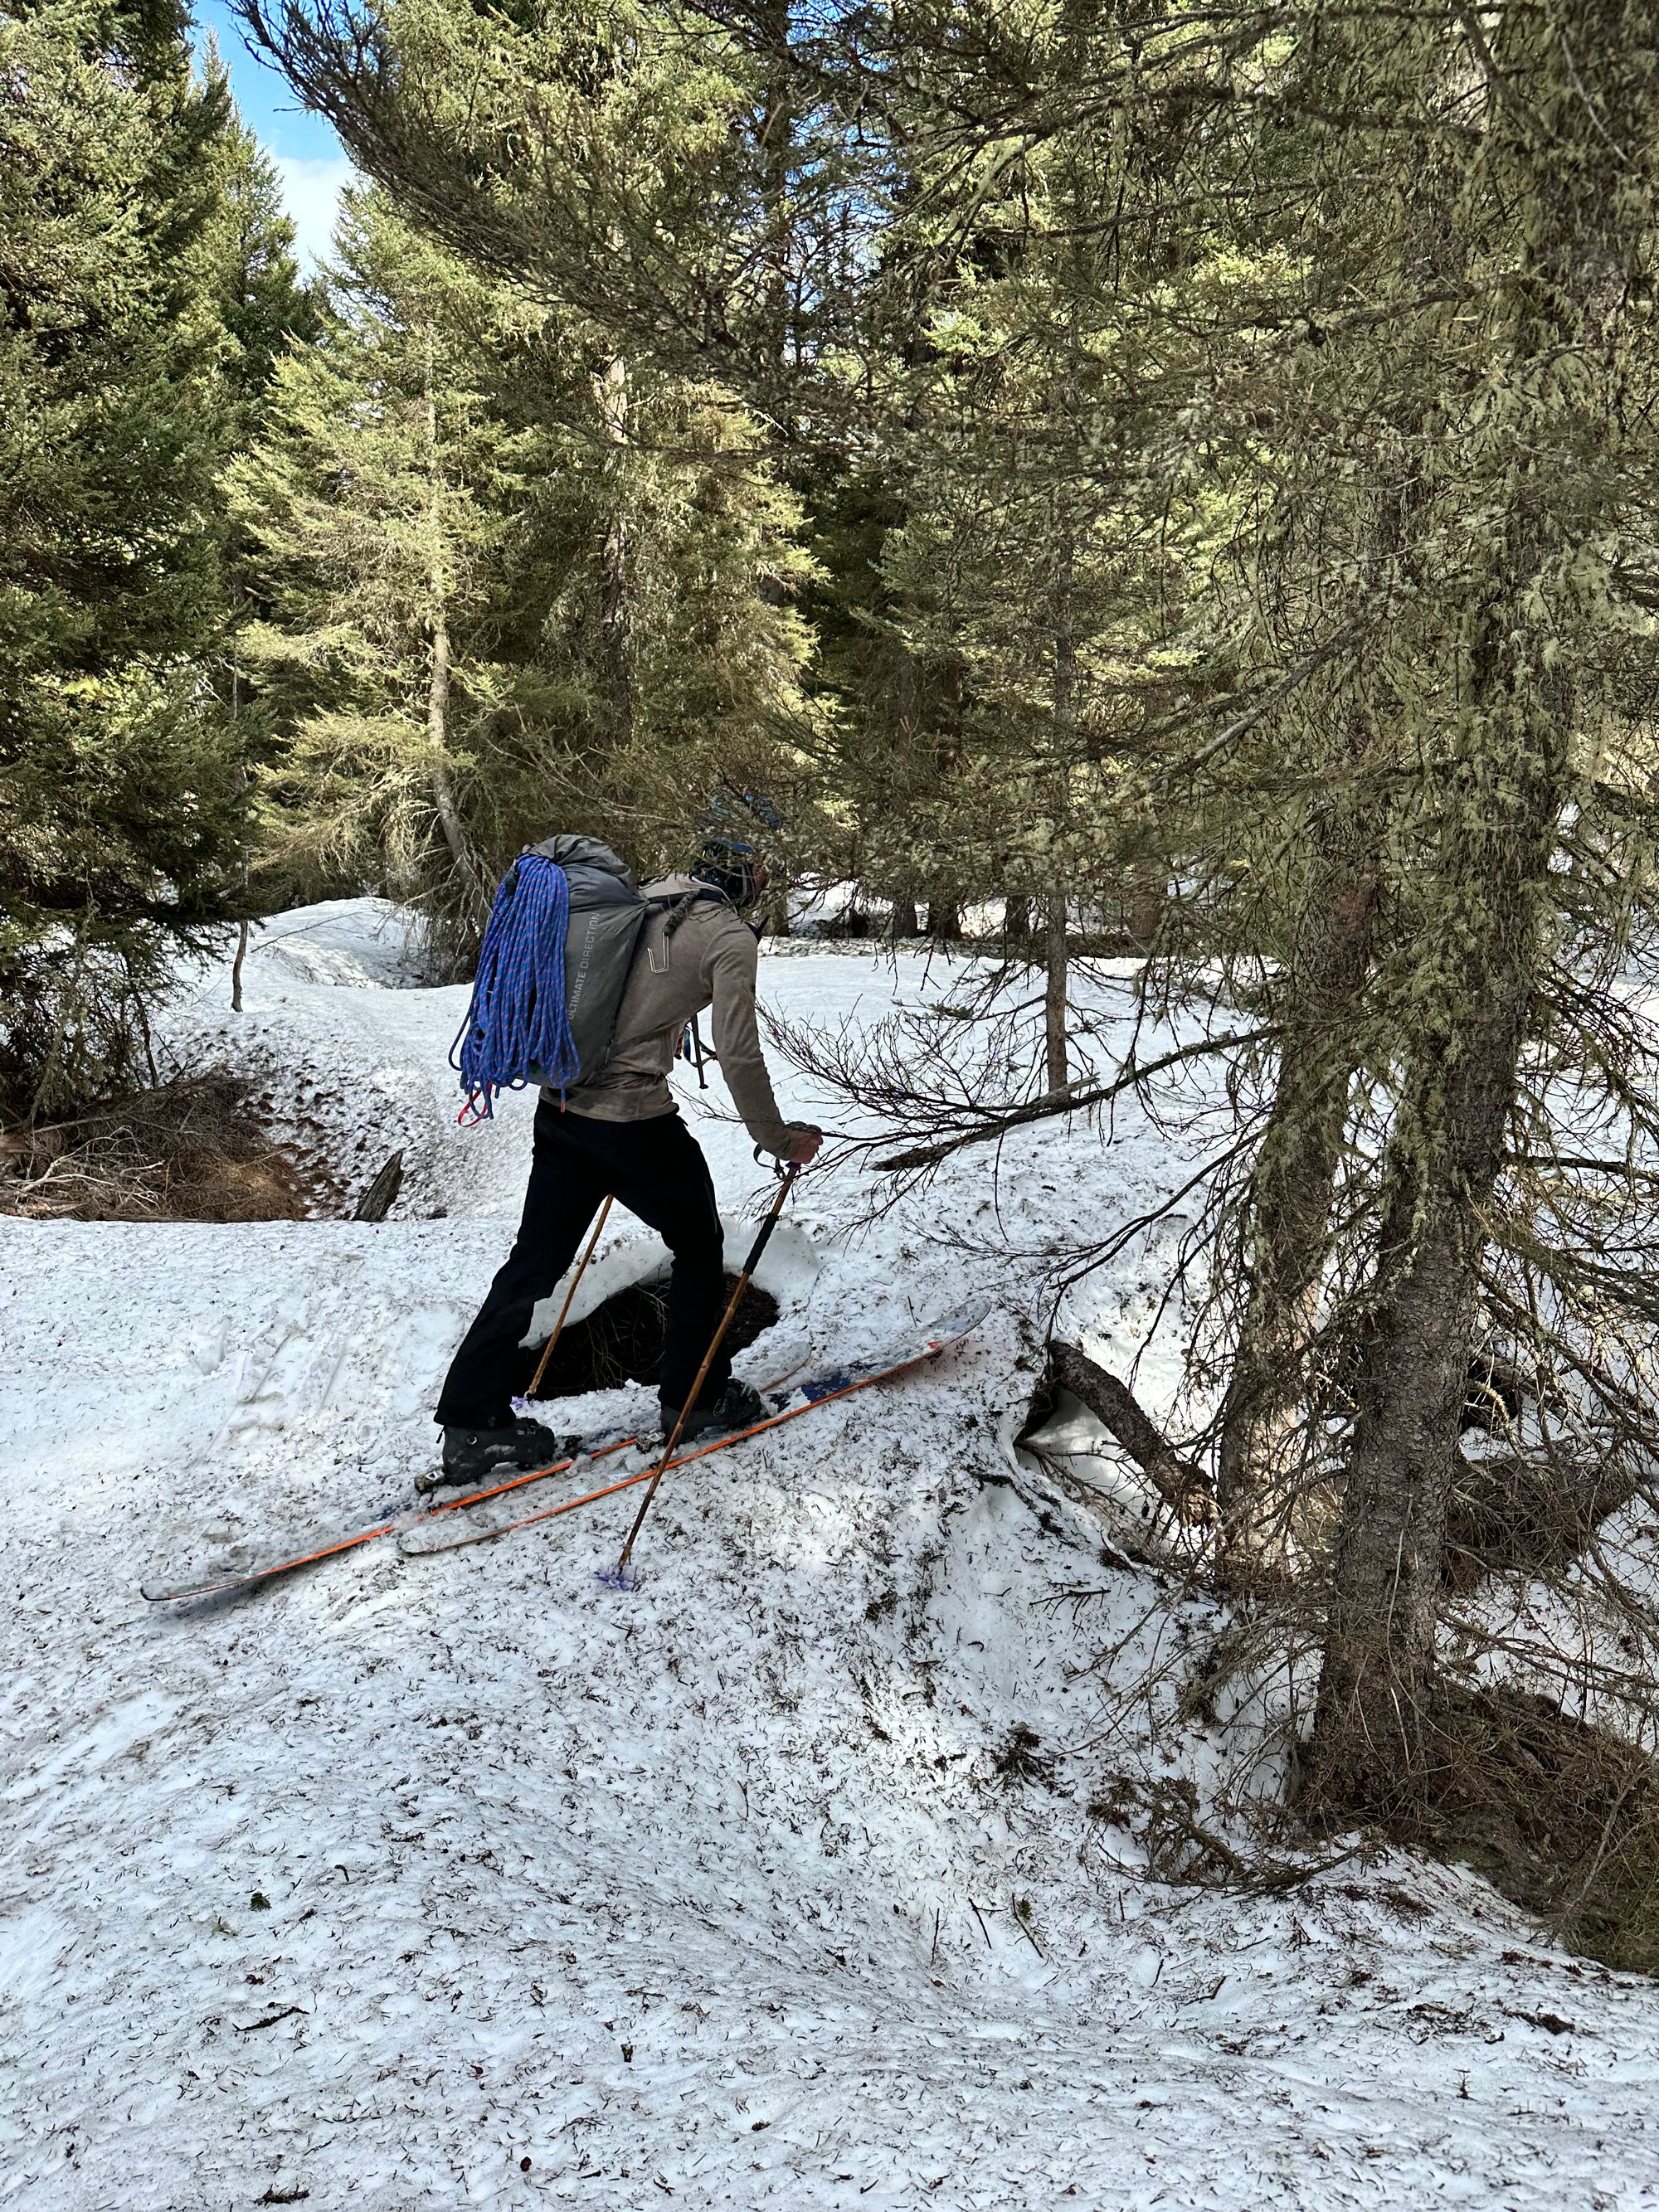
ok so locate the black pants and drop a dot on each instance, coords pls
(656, 1170)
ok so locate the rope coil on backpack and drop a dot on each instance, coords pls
(517, 1029)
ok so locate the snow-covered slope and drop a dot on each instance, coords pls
(794, 1878)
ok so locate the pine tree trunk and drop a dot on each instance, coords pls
(437, 730)
(438, 675)
(1380, 1639)
(614, 558)
(1148, 892)
(907, 714)
(1056, 1068)
(1492, 856)
(1294, 1180)
(236, 965)
(1290, 1203)
(1318, 1006)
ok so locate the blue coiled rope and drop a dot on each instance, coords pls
(517, 1026)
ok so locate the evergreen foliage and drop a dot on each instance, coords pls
(507, 583)
(376, 507)
(143, 269)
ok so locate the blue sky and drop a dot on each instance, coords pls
(307, 154)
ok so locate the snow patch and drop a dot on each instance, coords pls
(788, 1268)
(801, 1877)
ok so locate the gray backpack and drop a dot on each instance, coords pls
(608, 911)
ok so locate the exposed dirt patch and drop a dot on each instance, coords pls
(1532, 1513)
(192, 1150)
(1560, 1816)
(620, 1341)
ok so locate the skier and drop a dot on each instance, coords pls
(620, 1133)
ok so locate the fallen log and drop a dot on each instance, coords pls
(1178, 1482)
(376, 1202)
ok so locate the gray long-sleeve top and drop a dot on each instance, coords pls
(712, 959)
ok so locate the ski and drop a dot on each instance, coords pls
(232, 1578)
(420, 1540)
(601, 1445)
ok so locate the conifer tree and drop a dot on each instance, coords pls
(509, 583)
(120, 788)
(375, 504)
(1540, 464)
(244, 260)
(675, 176)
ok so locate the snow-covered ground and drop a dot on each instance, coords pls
(466, 1881)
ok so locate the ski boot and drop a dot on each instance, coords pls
(473, 1456)
(738, 1406)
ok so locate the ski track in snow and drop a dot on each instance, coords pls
(464, 1880)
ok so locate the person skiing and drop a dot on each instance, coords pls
(619, 1134)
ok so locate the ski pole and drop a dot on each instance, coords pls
(620, 1573)
(558, 1326)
